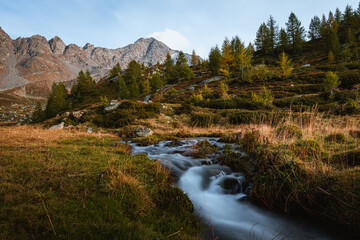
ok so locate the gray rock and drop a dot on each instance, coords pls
(143, 132)
(213, 79)
(89, 130)
(112, 106)
(58, 126)
(147, 98)
(306, 65)
(191, 88)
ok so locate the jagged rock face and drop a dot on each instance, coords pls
(35, 59)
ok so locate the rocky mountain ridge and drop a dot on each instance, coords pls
(35, 59)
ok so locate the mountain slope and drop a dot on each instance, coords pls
(35, 59)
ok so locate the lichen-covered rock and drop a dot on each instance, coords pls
(58, 126)
(143, 132)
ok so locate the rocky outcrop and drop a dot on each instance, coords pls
(34, 59)
(143, 132)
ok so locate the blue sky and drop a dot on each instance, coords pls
(181, 24)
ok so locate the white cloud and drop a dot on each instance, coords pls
(172, 38)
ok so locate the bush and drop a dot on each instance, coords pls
(203, 119)
(308, 148)
(246, 117)
(349, 79)
(290, 131)
(251, 140)
(338, 138)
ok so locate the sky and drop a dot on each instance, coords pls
(181, 24)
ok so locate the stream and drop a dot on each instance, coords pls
(220, 199)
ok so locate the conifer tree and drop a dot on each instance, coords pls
(39, 113)
(58, 100)
(227, 56)
(295, 32)
(146, 88)
(214, 60)
(331, 82)
(314, 28)
(224, 89)
(262, 41)
(194, 59)
(182, 69)
(133, 72)
(242, 59)
(283, 40)
(134, 91)
(273, 33)
(169, 69)
(156, 82)
(84, 89)
(115, 70)
(123, 89)
(285, 68)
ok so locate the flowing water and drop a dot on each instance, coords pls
(219, 197)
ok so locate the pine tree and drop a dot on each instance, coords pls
(169, 69)
(331, 56)
(214, 60)
(334, 43)
(283, 40)
(262, 41)
(39, 113)
(123, 89)
(58, 100)
(134, 89)
(273, 33)
(84, 89)
(156, 82)
(194, 59)
(314, 28)
(295, 32)
(115, 70)
(285, 69)
(182, 69)
(133, 72)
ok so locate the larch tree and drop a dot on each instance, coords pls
(194, 59)
(285, 68)
(227, 56)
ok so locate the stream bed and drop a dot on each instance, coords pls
(220, 198)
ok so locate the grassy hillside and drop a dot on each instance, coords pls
(73, 185)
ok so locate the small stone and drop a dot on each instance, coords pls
(58, 126)
(143, 132)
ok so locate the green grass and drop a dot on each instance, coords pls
(81, 186)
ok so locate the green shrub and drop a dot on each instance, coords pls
(203, 119)
(308, 148)
(153, 107)
(338, 138)
(246, 117)
(203, 148)
(349, 79)
(348, 158)
(332, 68)
(251, 140)
(290, 131)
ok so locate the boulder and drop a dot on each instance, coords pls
(58, 126)
(147, 98)
(77, 114)
(143, 132)
(112, 106)
(213, 79)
